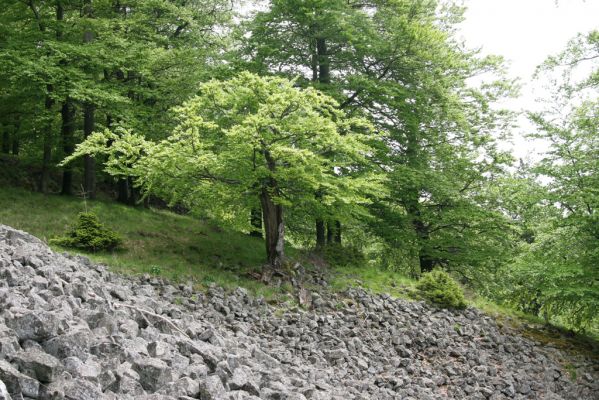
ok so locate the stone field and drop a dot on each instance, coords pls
(73, 330)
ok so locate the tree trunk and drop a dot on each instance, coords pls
(15, 145)
(5, 140)
(68, 130)
(133, 192)
(330, 232)
(324, 71)
(122, 191)
(324, 78)
(47, 145)
(426, 264)
(320, 233)
(274, 228)
(256, 222)
(338, 232)
(89, 164)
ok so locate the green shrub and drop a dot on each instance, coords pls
(440, 288)
(89, 234)
(343, 256)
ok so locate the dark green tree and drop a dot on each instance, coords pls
(397, 63)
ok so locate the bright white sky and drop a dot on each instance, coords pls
(525, 32)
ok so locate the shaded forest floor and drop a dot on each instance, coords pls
(183, 249)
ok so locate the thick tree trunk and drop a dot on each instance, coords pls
(47, 145)
(338, 232)
(89, 164)
(274, 229)
(133, 192)
(256, 222)
(426, 264)
(68, 130)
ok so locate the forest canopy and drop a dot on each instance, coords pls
(323, 123)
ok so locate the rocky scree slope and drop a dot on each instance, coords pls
(72, 330)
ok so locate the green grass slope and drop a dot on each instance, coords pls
(155, 241)
(175, 246)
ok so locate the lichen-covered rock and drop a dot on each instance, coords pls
(153, 373)
(35, 325)
(75, 343)
(211, 388)
(37, 364)
(243, 379)
(18, 383)
(71, 389)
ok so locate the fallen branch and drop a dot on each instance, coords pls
(165, 319)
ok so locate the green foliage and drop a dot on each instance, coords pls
(440, 288)
(571, 369)
(155, 270)
(247, 141)
(338, 255)
(554, 272)
(89, 234)
(371, 278)
(436, 206)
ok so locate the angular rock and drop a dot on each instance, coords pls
(37, 364)
(211, 388)
(153, 373)
(230, 346)
(18, 383)
(243, 379)
(75, 343)
(36, 326)
(71, 389)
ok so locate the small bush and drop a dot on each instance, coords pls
(343, 256)
(440, 288)
(89, 234)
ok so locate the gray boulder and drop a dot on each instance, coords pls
(18, 383)
(243, 379)
(211, 388)
(35, 325)
(153, 373)
(37, 364)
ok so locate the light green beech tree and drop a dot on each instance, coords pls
(248, 141)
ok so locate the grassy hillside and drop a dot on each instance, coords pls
(174, 246)
(155, 241)
(162, 242)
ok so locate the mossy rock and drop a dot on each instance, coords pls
(89, 234)
(438, 287)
